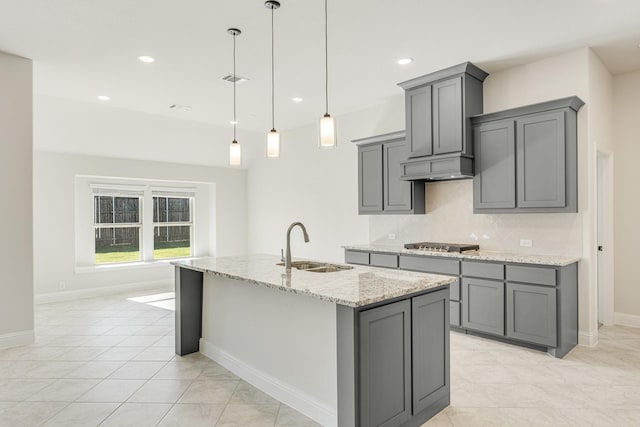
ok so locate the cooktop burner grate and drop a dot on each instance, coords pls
(441, 247)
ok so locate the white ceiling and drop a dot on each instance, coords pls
(85, 48)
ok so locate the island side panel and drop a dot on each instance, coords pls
(188, 288)
(348, 377)
(281, 342)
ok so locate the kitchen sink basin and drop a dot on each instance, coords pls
(317, 267)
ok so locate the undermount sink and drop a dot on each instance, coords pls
(317, 267)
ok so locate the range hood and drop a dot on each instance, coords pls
(438, 126)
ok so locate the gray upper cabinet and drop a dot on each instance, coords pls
(385, 365)
(380, 189)
(418, 110)
(370, 178)
(541, 160)
(495, 164)
(526, 159)
(448, 123)
(438, 108)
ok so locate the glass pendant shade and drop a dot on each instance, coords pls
(273, 144)
(235, 154)
(327, 132)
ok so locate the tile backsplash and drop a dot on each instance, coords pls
(450, 218)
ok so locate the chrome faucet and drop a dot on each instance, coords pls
(287, 262)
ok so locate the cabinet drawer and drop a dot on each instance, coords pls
(454, 313)
(484, 270)
(384, 260)
(356, 257)
(454, 291)
(430, 265)
(537, 275)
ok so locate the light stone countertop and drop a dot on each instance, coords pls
(356, 287)
(519, 258)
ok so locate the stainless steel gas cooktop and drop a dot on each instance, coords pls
(442, 247)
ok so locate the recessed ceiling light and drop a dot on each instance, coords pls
(103, 97)
(404, 61)
(146, 59)
(297, 99)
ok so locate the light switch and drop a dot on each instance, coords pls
(526, 243)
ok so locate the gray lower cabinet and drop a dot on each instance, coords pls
(430, 351)
(399, 355)
(526, 159)
(380, 189)
(483, 305)
(385, 360)
(531, 313)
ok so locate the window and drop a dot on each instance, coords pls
(117, 228)
(172, 227)
(125, 229)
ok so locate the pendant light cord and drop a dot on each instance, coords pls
(326, 58)
(234, 88)
(273, 108)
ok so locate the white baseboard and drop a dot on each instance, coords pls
(16, 339)
(274, 387)
(588, 339)
(624, 319)
(103, 290)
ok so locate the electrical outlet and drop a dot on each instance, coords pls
(526, 243)
(391, 236)
(62, 285)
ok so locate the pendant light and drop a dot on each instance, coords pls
(235, 151)
(273, 137)
(327, 124)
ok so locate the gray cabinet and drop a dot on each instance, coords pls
(385, 361)
(399, 355)
(531, 313)
(526, 159)
(438, 107)
(370, 178)
(430, 338)
(380, 189)
(494, 184)
(483, 305)
(418, 120)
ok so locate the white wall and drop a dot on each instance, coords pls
(96, 128)
(16, 206)
(55, 222)
(626, 202)
(317, 187)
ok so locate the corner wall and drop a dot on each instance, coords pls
(16, 250)
(626, 114)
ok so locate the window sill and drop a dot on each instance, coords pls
(126, 266)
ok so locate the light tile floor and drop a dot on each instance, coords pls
(109, 361)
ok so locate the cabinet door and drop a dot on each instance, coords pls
(494, 182)
(418, 111)
(397, 193)
(540, 146)
(385, 365)
(483, 305)
(531, 313)
(370, 178)
(430, 330)
(447, 116)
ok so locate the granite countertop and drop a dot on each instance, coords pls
(356, 287)
(520, 258)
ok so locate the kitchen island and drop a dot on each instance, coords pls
(361, 346)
